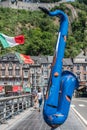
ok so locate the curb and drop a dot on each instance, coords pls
(79, 115)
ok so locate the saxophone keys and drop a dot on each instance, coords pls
(56, 74)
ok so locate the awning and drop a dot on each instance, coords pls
(16, 88)
(1, 89)
(81, 87)
(27, 89)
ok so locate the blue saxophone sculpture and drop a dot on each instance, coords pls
(61, 84)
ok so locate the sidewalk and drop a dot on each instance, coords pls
(16, 119)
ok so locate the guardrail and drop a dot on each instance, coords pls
(11, 106)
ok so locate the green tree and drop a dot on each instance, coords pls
(82, 1)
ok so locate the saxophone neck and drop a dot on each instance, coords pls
(63, 19)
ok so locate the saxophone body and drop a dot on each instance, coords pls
(61, 84)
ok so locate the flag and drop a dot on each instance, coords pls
(11, 41)
(24, 58)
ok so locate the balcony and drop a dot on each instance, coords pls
(3, 68)
(17, 76)
(17, 68)
(2, 76)
(10, 68)
(10, 76)
(25, 76)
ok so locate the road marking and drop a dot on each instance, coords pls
(78, 114)
(81, 105)
(72, 105)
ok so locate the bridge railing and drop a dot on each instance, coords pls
(11, 106)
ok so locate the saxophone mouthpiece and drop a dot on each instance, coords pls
(44, 9)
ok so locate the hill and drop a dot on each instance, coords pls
(40, 30)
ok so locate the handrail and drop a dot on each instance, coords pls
(11, 106)
(14, 97)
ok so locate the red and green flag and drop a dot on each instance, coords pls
(24, 58)
(7, 41)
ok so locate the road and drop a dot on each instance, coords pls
(33, 120)
(79, 105)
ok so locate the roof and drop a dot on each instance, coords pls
(82, 55)
(81, 58)
(50, 59)
(39, 59)
(67, 61)
(10, 57)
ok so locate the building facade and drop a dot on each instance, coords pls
(80, 69)
(12, 72)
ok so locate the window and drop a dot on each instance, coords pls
(17, 66)
(3, 66)
(84, 68)
(26, 73)
(17, 72)
(39, 70)
(84, 76)
(15, 58)
(45, 73)
(31, 70)
(10, 72)
(4, 58)
(86, 59)
(1, 81)
(17, 81)
(3, 72)
(78, 67)
(78, 76)
(10, 82)
(10, 66)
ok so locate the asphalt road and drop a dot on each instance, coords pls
(79, 105)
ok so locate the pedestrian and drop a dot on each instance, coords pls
(40, 98)
(35, 102)
(35, 98)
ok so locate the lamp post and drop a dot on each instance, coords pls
(42, 82)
